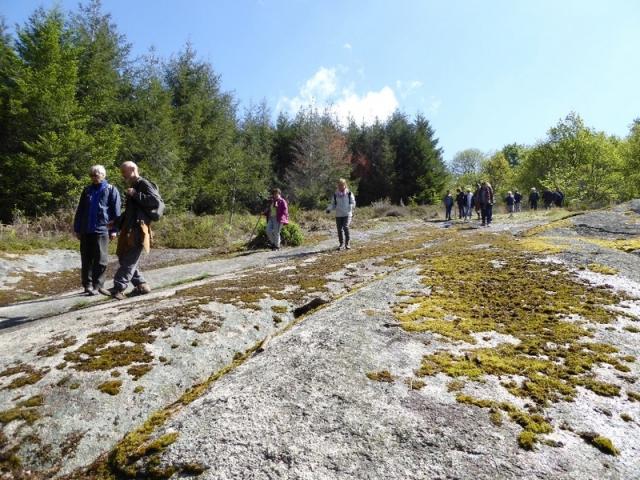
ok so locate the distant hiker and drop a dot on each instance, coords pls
(476, 201)
(142, 205)
(534, 196)
(517, 197)
(343, 202)
(98, 208)
(558, 197)
(468, 205)
(547, 198)
(448, 205)
(510, 201)
(485, 198)
(460, 197)
(277, 215)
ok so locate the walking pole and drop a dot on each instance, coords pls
(254, 229)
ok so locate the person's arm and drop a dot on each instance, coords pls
(77, 217)
(114, 211)
(352, 203)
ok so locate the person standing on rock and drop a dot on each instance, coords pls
(448, 205)
(534, 196)
(343, 203)
(517, 197)
(277, 215)
(485, 198)
(98, 208)
(142, 203)
(460, 196)
(510, 201)
(468, 205)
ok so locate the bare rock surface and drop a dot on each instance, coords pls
(217, 375)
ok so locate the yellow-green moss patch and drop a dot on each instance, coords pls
(626, 417)
(603, 269)
(111, 387)
(138, 371)
(601, 443)
(381, 376)
(633, 396)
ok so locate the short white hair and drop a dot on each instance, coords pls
(98, 169)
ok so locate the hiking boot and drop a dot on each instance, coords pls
(339, 247)
(347, 247)
(104, 291)
(116, 294)
(89, 291)
(143, 289)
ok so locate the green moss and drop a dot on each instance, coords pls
(138, 389)
(25, 411)
(601, 443)
(633, 396)
(603, 269)
(415, 384)
(632, 329)
(626, 417)
(629, 358)
(28, 375)
(138, 371)
(60, 342)
(382, 376)
(455, 385)
(74, 386)
(527, 440)
(496, 417)
(35, 401)
(115, 373)
(279, 308)
(111, 387)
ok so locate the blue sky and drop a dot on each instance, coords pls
(485, 72)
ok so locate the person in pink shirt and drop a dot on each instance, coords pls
(277, 215)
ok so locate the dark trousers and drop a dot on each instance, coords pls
(94, 255)
(343, 225)
(487, 213)
(128, 270)
(534, 205)
(460, 211)
(448, 212)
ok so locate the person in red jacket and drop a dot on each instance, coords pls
(277, 215)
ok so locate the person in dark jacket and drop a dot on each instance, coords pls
(558, 197)
(534, 196)
(510, 201)
(517, 197)
(547, 198)
(448, 205)
(485, 198)
(98, 208)
(460, 200)
(135, 234)
(476, 201)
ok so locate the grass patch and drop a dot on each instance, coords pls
(601, 443)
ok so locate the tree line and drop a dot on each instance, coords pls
(71, 96)
(589, 166)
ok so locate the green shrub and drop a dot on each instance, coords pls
(291, 235)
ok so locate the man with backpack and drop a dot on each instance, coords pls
(143, 205)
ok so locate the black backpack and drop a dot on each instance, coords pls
(156, 213)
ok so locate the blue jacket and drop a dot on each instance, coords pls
(98, 205)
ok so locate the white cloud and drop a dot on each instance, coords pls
(434, 105)
(347, 46)
(407, 88)
(322, 90)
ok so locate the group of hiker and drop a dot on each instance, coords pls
(482, 201)
(99, 220)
